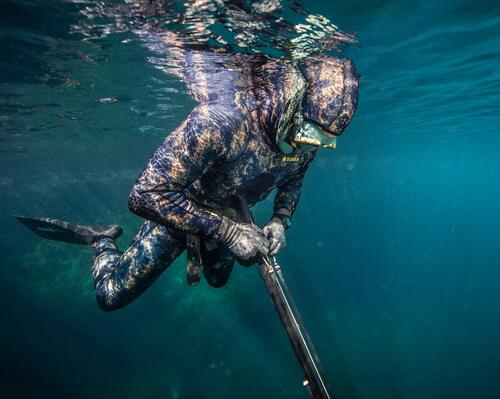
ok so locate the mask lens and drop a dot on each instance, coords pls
(311, 134)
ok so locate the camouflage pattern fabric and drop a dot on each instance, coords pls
(120, 277)
(332, 94)
(225, 147)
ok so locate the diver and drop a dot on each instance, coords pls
(238, 146)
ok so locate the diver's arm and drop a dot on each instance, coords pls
(288, 195)
(184, 156)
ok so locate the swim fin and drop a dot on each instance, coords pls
(59, 230)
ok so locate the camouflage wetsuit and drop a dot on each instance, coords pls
(226, 146)
(222, 148)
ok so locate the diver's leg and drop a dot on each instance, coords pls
(217, 265)
(119, 277)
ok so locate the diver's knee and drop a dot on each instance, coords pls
(218, 283)
(108, 304)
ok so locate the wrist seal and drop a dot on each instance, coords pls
(284, 219)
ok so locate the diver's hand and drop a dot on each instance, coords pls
(275, 233)
(244, 240)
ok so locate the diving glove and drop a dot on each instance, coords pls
(275, 233)
(244, 240)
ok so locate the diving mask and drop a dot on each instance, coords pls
(306, 134)
(311, 136)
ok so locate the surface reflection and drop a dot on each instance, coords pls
(275, 28)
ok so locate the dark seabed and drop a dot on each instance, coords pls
(393, 256)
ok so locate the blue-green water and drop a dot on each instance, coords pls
(393, 257)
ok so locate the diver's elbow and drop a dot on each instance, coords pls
(135, 201)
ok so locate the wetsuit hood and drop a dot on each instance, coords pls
(279, 89)
(332, 92)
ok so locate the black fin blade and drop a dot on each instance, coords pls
(50, 229)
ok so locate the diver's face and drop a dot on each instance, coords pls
(310, 135)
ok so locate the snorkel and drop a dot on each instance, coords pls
(291, 119)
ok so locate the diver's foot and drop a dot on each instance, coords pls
(59, 230)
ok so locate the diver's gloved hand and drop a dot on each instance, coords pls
(244, 240)
(275, 233)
